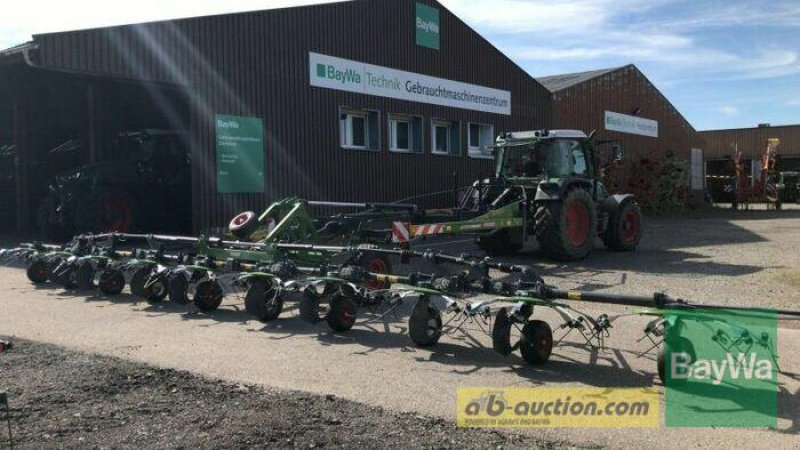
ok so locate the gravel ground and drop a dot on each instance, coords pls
(62, 398)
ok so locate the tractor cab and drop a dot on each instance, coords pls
(531, 157)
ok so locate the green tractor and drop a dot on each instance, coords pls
(545, 188)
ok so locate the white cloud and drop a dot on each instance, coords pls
(729, 110)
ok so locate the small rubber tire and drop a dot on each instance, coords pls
(310, 305)
(38, 271)
(425, 325)
(677, 344)
(178, 289)
(243, 224)
(536, 342)
(157, 291)
(342, 315)
(84, 276)
(52, 266)
(138, 280)
(263, 302)
(208, 296)
(112, 281)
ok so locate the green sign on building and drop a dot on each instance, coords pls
(427, 25)
(240, 155)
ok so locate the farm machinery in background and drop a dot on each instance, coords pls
(544, 189)
(767, 188)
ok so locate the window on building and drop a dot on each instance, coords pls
(405, 134)
(358, 129)
(445, 137)
(481, 139)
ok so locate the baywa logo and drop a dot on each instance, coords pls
(741, 367)
(427, 26)
(330, 72)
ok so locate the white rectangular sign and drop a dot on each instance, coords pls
(353, 76)
(631, 124)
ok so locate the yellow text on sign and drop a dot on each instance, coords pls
(568, 407)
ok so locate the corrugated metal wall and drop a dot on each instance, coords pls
(623, 91)
(256, 64)
(752, 141)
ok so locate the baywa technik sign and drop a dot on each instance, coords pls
(631, 124)
(427, 25)
(353, 76)
(240, 154)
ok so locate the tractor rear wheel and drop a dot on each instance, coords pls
(107, 210)
(536, 342)
(624, 229)
(571, 227)
(37, 271)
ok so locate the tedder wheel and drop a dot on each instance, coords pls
(570, 228)
(677, 344)
(138, 280)
(311, 308)
(425, 324)
(624, 229)
(112, 281)
(536, 342)
(84, 275)
(378, 264)
(52, 266)
(37, 272)
(244, 224)
(208, 295)
(342, 315)
(66, 276)
(178, 288)
(263, 301)
(155, 291)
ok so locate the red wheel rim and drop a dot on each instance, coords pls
(347, 314)
(115, 214)
(630, 226)
(377, 265)
(578, 223)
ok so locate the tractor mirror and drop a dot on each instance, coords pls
(617, 152)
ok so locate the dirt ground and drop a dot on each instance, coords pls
(62, 398)
(742, 258)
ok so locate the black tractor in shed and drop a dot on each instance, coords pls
(145, 184)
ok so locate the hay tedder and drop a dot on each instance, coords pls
(767, 188)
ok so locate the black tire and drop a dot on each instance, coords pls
(243, 224)
(66, 276)
(112, 281)
(208, 296)
(155, 291)
(624, 229)
(310, 306)
(107, 210)
(50, 230)
(536, 342)
(425, 325)
(138, 279)
(571, 227)
(499, 243)
(52, 266)
(342, 315)
(84, 276)
(677, 344)
(38, 271)
(178, 289)
(263, 302)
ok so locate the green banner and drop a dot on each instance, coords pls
(427, 25)
(240, 154)
(721, 368)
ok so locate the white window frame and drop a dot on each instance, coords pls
(411, 121)
(477, 151)
(435, 123)
(346, 129)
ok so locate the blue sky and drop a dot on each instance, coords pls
(724, 64)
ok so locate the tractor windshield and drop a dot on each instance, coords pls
(553, 158)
